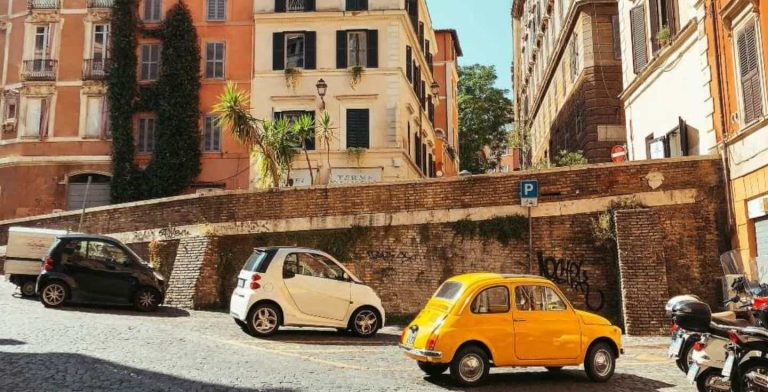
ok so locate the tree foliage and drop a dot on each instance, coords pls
(570, 158)
(484, 114)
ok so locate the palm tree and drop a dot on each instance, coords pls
(304, 130)
(324, 133)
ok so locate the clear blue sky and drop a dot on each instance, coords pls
(485, 31)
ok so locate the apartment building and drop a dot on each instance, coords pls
(567, 77)
(369, 64)
(446, 68)
(667, 99)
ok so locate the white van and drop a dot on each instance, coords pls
(24, 255)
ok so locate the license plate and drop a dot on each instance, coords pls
(241, 283)
(411, 338)
(674, 348)
(728, 367)
(693, 371)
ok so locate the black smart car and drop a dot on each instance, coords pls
(98, 270)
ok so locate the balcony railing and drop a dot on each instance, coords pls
(95, 69)
(36, 70)
(296, 6)
(101, 3)
(43, 4)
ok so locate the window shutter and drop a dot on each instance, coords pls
(357, 5)
(683, 127)
(409, 63)
(653, 8)
(373, 48)
(278, 51)
(751, 89)
(280, 6)
(310, 50)
(341, 49)
(421, 35)
(358, 128)
(413, 11)
(309, 5)
(616, 37)
(639, 41)
(672, 17)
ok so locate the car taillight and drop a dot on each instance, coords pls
(48, 264)
(698, 346)
(675, 327)
(255, 282)
(431, 342)
(733, 337)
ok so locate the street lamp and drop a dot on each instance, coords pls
(322, 89)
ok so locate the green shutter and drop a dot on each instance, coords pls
(358, 128)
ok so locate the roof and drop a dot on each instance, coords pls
(456, 42)
(484, 276)
(87, 236)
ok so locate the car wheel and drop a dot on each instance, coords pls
(28, 288)
(264, 320)
(433, 369)
(554, 369)
(146, 299)
(365, 322)
(686, 356)
(600, 362)
(54, 294)
(470, 366)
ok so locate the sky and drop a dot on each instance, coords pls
(485, 32)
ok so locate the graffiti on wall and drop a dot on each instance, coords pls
(570, 273)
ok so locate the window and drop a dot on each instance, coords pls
(292, 116)
(673, 144)
(357, 5)
(36, 124)
(150, 62)
(639, 40)
(11, 108)
(663, 16)
(294, 5)
(211, 134)
(313, 265)
(538, 298)
(358, 128)
(504, 169)
(409, 63)
(358, 48)
(100, 47)
(294, 50)
(575, 58)
(492, 300)
(214, 60)
(356, 44)
(146, 135)
(448, 290)
(96, 117)
(42, 42)
(106, 253)
(216, 10)
(152, 10)
(749, 72)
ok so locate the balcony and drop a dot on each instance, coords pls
(101, 3)
(95, 69)
(39, 70)
(43, 4)
(295, 6)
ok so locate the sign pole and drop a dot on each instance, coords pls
(530, 242)
(529, 197)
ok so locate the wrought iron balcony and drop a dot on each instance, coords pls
(296, 6)
(43, 4)
(95, 69)
(37, 70)
(101, 3)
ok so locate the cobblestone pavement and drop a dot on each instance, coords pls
(96, 348)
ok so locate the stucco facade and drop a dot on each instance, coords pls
(567, 77)
(667, 100)
(446, 68)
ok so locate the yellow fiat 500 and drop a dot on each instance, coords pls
(477, 321)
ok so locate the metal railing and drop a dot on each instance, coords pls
(101, 3)
(296, 6)
(39, 70)
(43, 4)
(95, 69)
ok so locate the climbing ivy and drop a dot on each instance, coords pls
(503, 229)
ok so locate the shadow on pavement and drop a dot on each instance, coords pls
(331, 337)
(567, 380)
(60, 371)
(162, 312)
(11, 342)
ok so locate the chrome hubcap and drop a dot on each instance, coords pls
(264, 320)
(602, 363)
(147, 299)
(365, 322)
(28, 289)
(471, 367)
(53, 294)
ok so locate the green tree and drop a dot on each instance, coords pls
(570, 158)
(484, 115)
(121, 97)
(176, 159)
(304, 130)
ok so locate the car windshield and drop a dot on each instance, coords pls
(254, 262)
(449, 290)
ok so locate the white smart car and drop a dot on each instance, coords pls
(301, 287)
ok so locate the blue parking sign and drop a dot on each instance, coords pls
(529, 193)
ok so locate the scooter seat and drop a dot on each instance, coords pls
(724, 315)
(731, 322)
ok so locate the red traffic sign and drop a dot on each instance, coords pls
(619, 154)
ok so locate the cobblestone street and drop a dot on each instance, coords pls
(97, 348)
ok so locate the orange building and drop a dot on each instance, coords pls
(55, 133)
(737, 31)
(446, 73)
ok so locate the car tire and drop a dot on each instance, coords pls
(365, 322)
(241, 324)
(470, 366)
(686, 356)
(264, 320)
(54, 294)
(554, 369)
(28, 288)
(600, 362)
(433, 369)
(147, 299)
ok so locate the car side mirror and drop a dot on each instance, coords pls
(288, 274)
(345, 277)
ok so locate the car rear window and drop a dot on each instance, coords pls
(449, 290)
(255, 261)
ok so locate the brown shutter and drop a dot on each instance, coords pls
(639, 40)
(749, 73)
(672, 17)
(653, 10)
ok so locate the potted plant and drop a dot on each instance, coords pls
(356, 75)
(663, 36)
(292, 78)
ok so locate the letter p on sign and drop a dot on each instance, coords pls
(529, 193)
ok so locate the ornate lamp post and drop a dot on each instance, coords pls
(322, 89)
